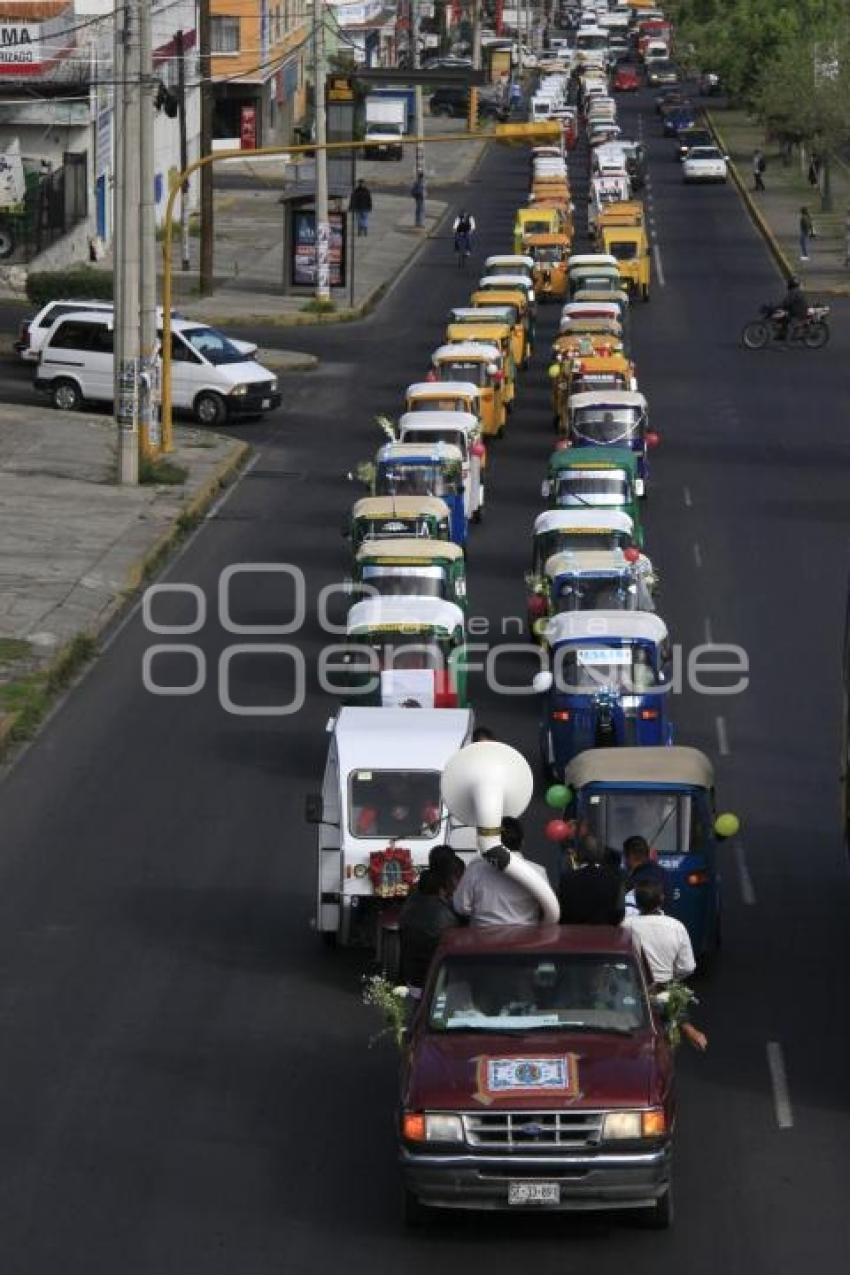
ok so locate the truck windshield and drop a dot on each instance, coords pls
(663, 818)
(555, 992)
(394, 803)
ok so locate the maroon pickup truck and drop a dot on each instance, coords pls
(537, 1077)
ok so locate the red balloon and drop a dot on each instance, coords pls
(631, 554)
(558, 829)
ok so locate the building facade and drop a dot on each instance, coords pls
(259, 54)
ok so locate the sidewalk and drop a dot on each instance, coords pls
(777, 210)
(74, 547)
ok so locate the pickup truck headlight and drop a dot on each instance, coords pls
(239, 391)
(417, 1127)
(633, 1124)
(274, 385)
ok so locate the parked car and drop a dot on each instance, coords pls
(661, 72)
(34, 330)
(452, 102)
(211, 377)
(705, 164)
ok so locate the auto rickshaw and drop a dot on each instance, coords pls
(627, 240)
(424, 568)
(613, 418)
(665, 795)
(595, 338)
(405, 652)
(463, 430)
(587, 373)
(609, 675)
(594, 478)
(480, 365)
(443, 396)
(537, 221)
(614, 189)
(498, 332)
(424, 469)
(595, 580)
(550, 253)
(579, 530)
(499, 284)
(512, 264)
(423, 517)
(521, 328)
(603, 278)
(613, 295)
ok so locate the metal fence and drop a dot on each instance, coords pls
(56, 201)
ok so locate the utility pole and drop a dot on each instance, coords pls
(180, 46)
(117, 185)
(207, 223)
(127, 401)
(418, 115)
(149, 434)
(322, 218)
(476, 64)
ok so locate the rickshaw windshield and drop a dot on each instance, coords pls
(548, 256)
(418, 480)
(475, 373)
(662, 818)
(592, 487)
(626, 670)
(394, 803)
(557, 541)
(537, 227)
(454, 436)
(596, 593)
(436, 404)
(587, 382)
(623, 249)
(397, 581)
(606, 425)
(556, 991)
(387, 529)
(595, 283)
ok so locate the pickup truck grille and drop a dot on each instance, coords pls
(529, 1129)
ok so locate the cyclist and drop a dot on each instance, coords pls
(464, 229)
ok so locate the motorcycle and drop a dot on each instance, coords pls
(775, 326)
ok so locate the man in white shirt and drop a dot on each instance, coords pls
(664, 941)
(487, 897)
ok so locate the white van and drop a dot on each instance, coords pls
(211, 377)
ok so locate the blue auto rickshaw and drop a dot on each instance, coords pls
(613, 418)
(665, 795)
(607, 684)
(425, 469)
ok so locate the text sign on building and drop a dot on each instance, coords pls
(31, 48)
(248, 128)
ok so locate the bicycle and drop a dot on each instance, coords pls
(463, 248)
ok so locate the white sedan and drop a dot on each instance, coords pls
(704, 164)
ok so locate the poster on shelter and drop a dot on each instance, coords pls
(304, 249)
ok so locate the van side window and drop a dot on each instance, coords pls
(180, 351)
(102, 339)
(73, 335)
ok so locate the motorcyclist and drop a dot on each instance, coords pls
(795, 306)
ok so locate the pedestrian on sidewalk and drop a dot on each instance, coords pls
(417, 191)
(814, 170)
(807, 232)
(759, 165)
(361, 205)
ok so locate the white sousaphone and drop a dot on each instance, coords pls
(481, 784)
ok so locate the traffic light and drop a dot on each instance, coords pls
(166, 100)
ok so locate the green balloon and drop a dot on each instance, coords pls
(558, 796)
(554, 370)
(727, 825)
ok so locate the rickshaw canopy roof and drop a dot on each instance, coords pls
(593, 327)
(583, 520)
(589, 295)
(590, 310)
(481, 314)
(468, 351)
(496, 281)
(587, 562)
(478, 332)
(400, 613)
(593, 458)
(401, 507)
(506, 292)
(591, 259)
(424, 550)
(399, 738)
(425, 452)
(607, 398)
(548, 240)
(672, 765)
(462, 422)
(509, 259)
(605, 626)
(442, 389)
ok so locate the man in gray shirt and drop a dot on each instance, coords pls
(487, 897)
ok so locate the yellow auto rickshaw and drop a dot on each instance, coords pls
(479, 365)
(550, 253)
(521, 330)
(598, 371)
(490, 333)
(630, 245)
(573, 345)
(537, 221)
(443, 396)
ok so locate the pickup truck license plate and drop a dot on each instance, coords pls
(266, 404)
(534, 1193)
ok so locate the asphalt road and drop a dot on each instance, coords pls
(185, 1083)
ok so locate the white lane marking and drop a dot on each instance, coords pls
(659, 269)
(686, 493)
(779, 1081)
(181, 552)
(722, 736)
(709, 636)
(745, 881)
(697, 555)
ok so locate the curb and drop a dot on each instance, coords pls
(756, 216)
(139, 571)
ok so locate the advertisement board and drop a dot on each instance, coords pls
(303, 254)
